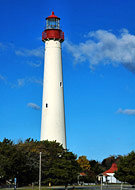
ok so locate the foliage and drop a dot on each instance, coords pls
(107, 162)
(64, 170)
(59, 166)
(91, 175)
(86, 169)
(126, 168)
(21, 160)
(84, 163)
(96, 168)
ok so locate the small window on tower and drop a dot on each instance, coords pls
(46, 105)
(61, 84)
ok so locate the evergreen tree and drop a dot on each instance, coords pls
(21, 161)
(126, 168)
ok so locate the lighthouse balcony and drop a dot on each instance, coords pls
(52, 34)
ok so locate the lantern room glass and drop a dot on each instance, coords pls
(52, 23)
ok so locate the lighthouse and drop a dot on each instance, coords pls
(53, 115)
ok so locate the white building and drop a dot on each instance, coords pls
(108, 175)
(53, 115)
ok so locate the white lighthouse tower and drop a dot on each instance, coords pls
(53, 116)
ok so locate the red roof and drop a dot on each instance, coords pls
(52, 16)
(82, 174)
(112, 169)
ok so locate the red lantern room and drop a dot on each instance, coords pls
(52, 30)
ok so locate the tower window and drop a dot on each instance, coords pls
(46, 105)
(61, 84)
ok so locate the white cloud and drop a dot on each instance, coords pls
(105, 47)
(35, 80)
(37, 52)
(26, 81)
(33, 106)
(126, 111)
(2, 78)
(6, 47)
(32, 64)
(20, 82)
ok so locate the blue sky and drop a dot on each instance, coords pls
(98, 70)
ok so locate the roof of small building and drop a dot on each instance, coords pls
(82, 174)
(103, 174)
(113, 169)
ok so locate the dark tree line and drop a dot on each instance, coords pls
(92, 167)
(21, 161)
(125, 173)
(126, 168)
(59, 166)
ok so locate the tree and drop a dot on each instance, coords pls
(107, 162)
(85, 167)
(84, 163)
(21, 160)
(64, 170)
(96, 168)
(7, 153)
(126, 168)
(16, 163)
